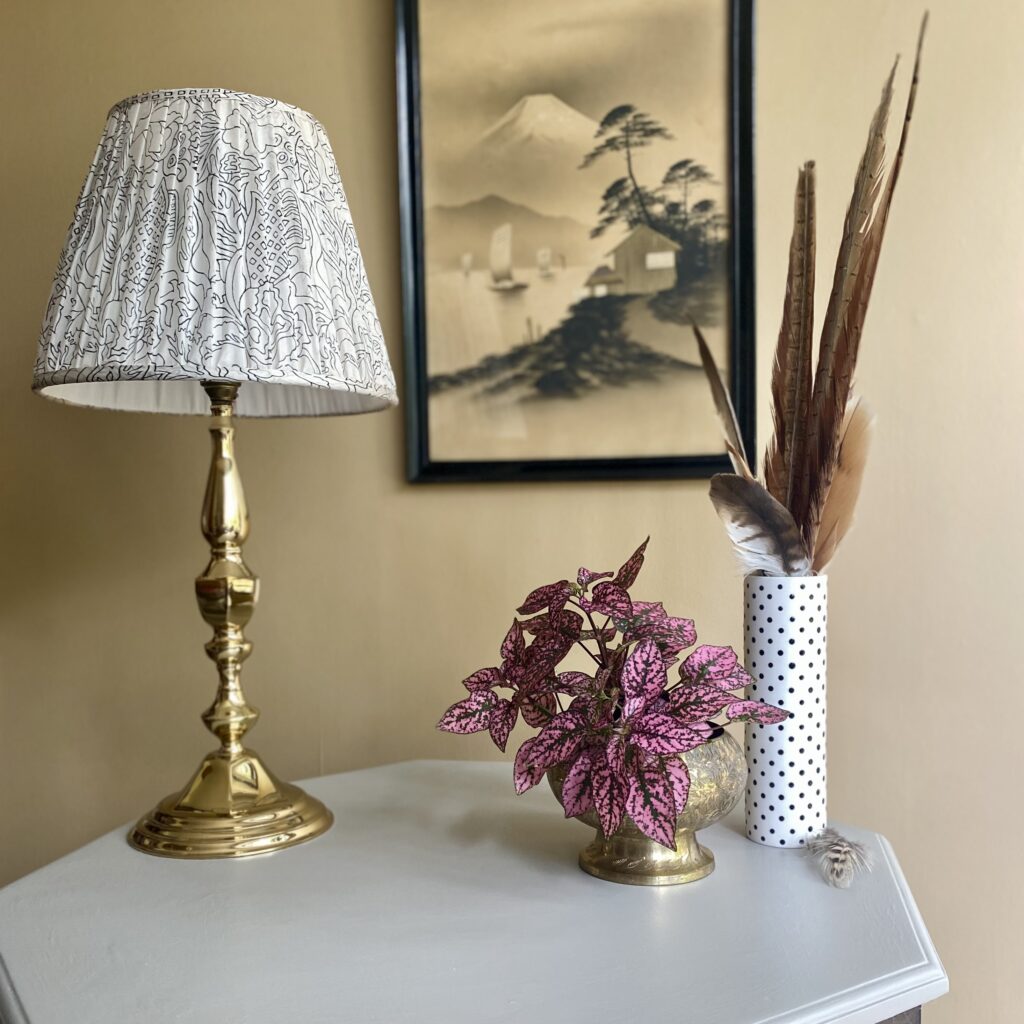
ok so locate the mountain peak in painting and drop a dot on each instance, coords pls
(531, 155)
(541, 119)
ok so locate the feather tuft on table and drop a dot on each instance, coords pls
(838, 859)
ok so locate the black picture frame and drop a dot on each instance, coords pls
(742, 363)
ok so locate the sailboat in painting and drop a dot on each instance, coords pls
(544, 262)
(466, 263)
(501, 261)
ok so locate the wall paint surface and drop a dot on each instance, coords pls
(378, 596)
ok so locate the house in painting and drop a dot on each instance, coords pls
(603, 281)
(645, 262)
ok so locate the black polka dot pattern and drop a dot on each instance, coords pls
(785, 652)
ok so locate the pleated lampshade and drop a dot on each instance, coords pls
(213, 241)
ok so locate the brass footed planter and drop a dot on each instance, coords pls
(718, 774)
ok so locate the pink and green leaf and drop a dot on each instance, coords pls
(646, 619)
(627, 574)
(643, 677)
(502, 719)
(537, 624)
(755, 711)
(513, 647)
(538, 709)
(650, 802)
(649, 611)
(739, 680)
(575, 683)
(553, 597)
(546, 651)
(650, 620)
(525, 773)
(565, 621)
(585, 576)
(569, 623)
(547, 645)
(710, 664)
(676, 633)
(609, 792)
(697, 702)
(600, 712)
(577, 790)
(679, 776)
(609, 599)
(615, 755)
(470, 715)
(560, 739)
(483, 679)
(658, 732)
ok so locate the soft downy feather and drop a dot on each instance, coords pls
(841, 501)
(839, 859)
(762, 530)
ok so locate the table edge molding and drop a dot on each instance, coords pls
(11, 1009)
(930, 980)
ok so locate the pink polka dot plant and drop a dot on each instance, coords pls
(617, 729)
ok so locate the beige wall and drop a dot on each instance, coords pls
(379, 596)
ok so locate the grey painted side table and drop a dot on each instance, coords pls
(440, 896)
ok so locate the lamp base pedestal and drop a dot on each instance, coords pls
(233, 807)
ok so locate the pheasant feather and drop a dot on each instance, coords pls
(814, 463)
(835, 351)
(831, 401)
(841, 501)
(792, 370)
(723, 406)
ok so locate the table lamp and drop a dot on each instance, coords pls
(212, 266)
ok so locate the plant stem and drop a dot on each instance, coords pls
(600, 637)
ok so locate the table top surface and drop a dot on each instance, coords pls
(440, 895)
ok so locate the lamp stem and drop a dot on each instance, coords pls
(233, 806)
(227, 590)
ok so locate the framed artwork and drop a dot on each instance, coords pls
(576, 189)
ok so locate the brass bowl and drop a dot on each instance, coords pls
(718, 775)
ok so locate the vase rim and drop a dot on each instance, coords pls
(766, 576)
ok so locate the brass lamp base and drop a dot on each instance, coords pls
(233, 807)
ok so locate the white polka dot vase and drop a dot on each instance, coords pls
(785, 643)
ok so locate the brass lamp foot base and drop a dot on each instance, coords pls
(233, 807)
(633, 859)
